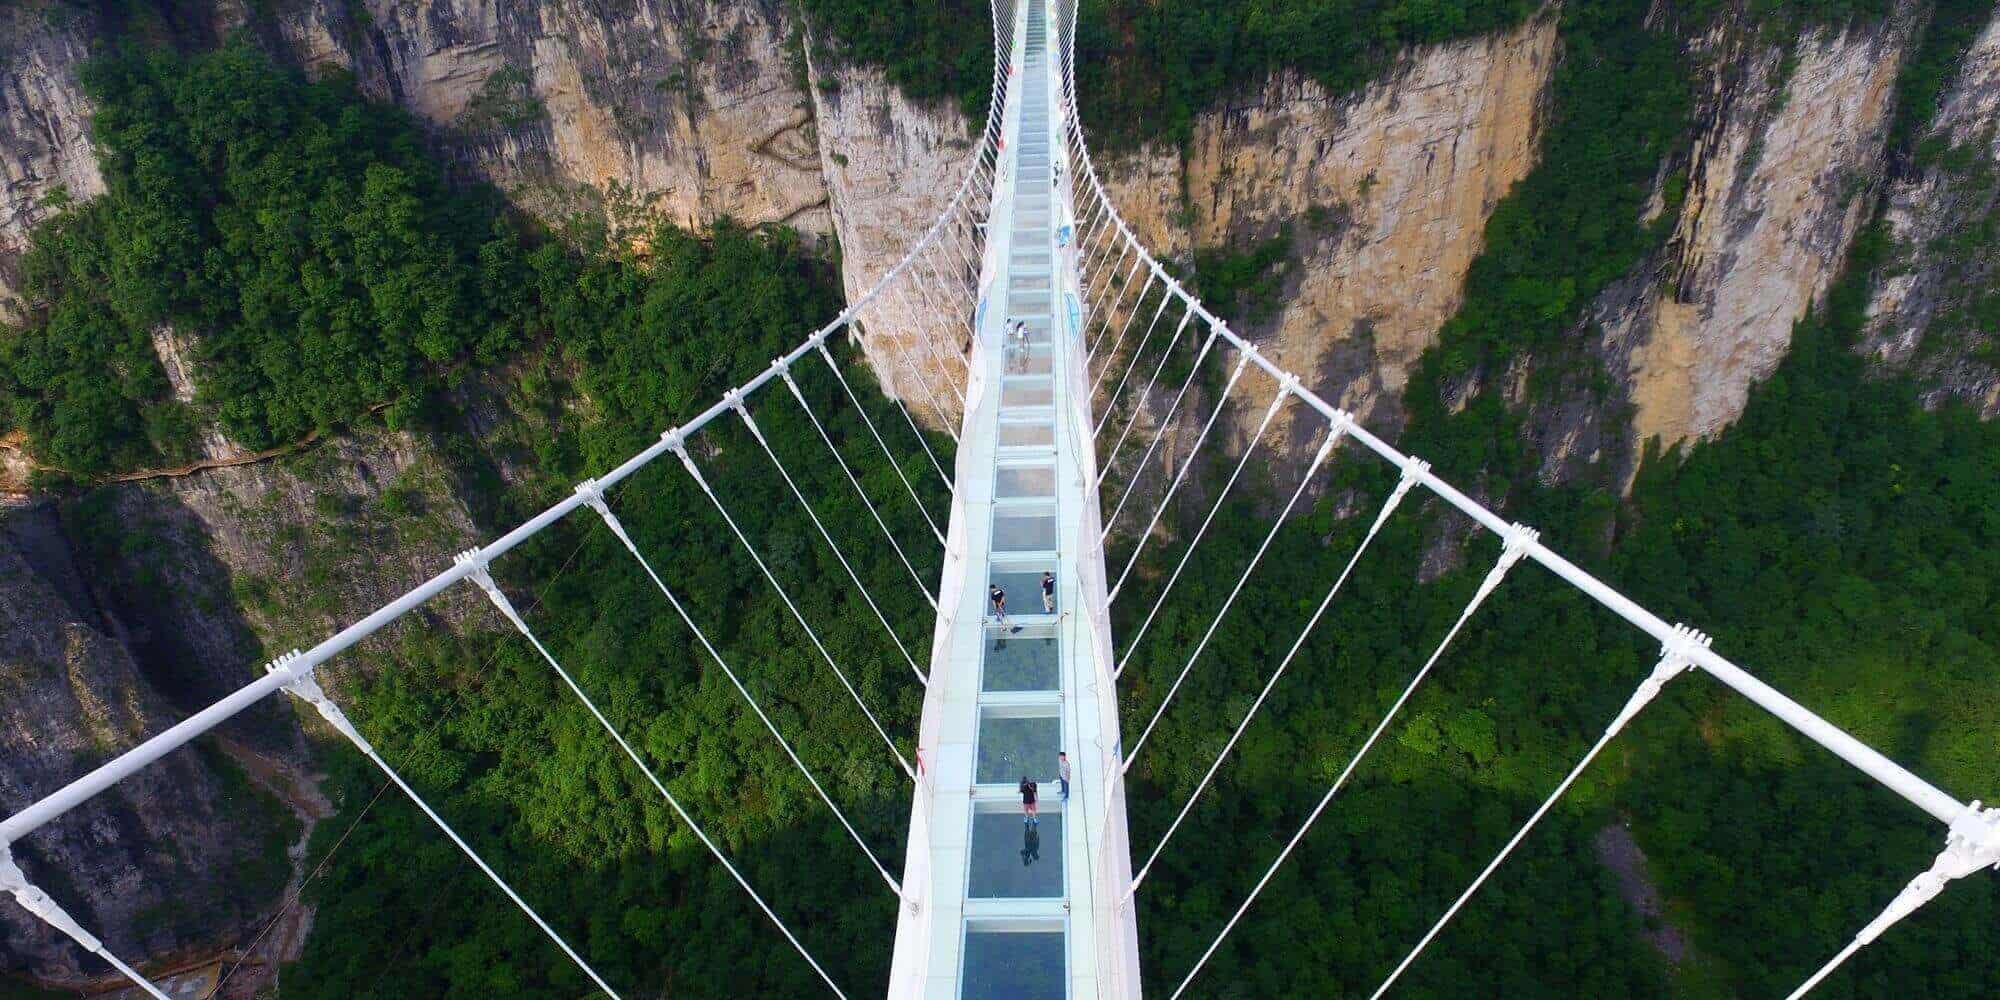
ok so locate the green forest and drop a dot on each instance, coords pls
(310, 216)
(1839, 540)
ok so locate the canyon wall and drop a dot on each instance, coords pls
(1934, 314)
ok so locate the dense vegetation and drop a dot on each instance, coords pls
(1838, 539)
(931, 49)
(330, 272)
(297, 236)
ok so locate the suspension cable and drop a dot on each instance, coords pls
(785, 374)
(1118, 299)
(1152, 381)
(1411, 473)
(1519, 539)
(1131, 364)
(303, 686)
(855, 331)
(1220, 405)
(1206, 345)
(1674, 661)
(678, 445)
(1188, 554)
(32, 898)
(594, 497)
(1111, 356)
(743, 410)
(484, 579)
(877, 435)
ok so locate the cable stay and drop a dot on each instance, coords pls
(15, 882)
(742, 410)
(1118, 299)
(479, 575)
(1132, 365)
(1167, 418)
(854, 329)
(594, 497)
(299, 682)
(1138, 404)
(1334, 434)
(785, 374)
(1125, 328)
(1518, 540)
(1411, 472)
(1180, 477)
(1971, 845)
(678, 445)
(1675, 659)
(877, 435)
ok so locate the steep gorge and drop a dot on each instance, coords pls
(709, 109)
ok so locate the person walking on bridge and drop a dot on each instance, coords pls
(1062, 774)
(1049, 592)
(997, 598)
(1028, 815)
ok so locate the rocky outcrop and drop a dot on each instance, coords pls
(1789, 147)
(697, 109)
(169, 859)
(1932, 312)
(147, 600)
(45, 154)
(892, 166)
(1387, 192)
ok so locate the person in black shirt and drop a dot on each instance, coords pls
(1028, 802)
(1049, 592)
(998, 599)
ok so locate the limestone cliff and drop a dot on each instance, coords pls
(1933, 312)
(1388, 190)
(139, 603)
(167, 860)
(891, 167)
(45, 152)
(1788, 147)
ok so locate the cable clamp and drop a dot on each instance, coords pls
(1519, 538)
(593, 497)
(303, 685)
(1971, 845)
(31, 897)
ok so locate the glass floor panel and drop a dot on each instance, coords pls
(1018, 663)
(1024, 481)
(1028, 362)
(1027, 435)
(1013, 965)
(1013, 859)
(1011, 746)
(1023, 589)
(1024, 533)
(1038, 393)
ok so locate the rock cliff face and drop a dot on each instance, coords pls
(1927, 315)
(698, 106)
(1789, 148)
(891, 167)
(44, 147)
(170, 859)
(1387, 192)
(144, 601)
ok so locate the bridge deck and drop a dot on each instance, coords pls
(1002, 906)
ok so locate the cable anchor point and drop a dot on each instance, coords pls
(301, 683)
(31, 897)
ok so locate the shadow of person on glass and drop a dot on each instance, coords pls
(1031, 845)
